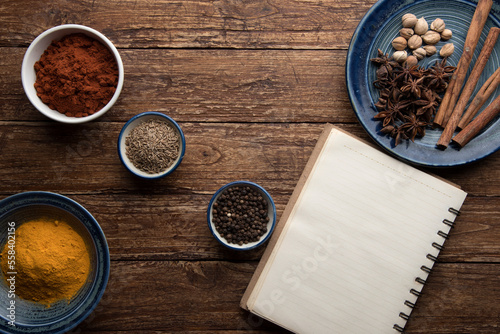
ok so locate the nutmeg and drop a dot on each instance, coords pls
(399, 43)
(446, 34)
(438, 25)
(400, 56)
(421, 26)
(415, 42)
(411, 61)
(419, 53)
(406, 32)
(430, 50)
(431, 37)
(447, 50)
(409, 20)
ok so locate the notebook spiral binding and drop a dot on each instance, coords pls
(426, 269)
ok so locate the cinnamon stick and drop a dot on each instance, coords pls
(482, 95)
(458, 111)
(475, 28)
(473, 128)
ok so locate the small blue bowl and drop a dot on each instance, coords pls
(31, 317)
(271, 214)
(130, 125)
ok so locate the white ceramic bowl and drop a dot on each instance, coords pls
(37, 48)
(130, 125)
(271, 213)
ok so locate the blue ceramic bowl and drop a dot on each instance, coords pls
(271, 214)
(130, 125)
(31, 317)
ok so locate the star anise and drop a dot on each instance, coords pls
(409, 96)
(427, 105)
(413, 86)
(413, 126)
(405, 73)
(439, 76)
(384, 60)
(394, 110)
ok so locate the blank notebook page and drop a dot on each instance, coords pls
(354, 243)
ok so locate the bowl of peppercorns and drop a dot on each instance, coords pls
(241, 215)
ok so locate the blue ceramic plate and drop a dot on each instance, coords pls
(30, 317)
(376, 31)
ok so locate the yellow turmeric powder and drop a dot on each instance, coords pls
(51, 261)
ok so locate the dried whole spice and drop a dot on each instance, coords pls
(399, 43)
(409, 96)
(447, 50)
(406, 32)
(409, 20)
(400, 56)
(421, 26)
(438, 25)
(415, 42)
(152, 146)
(446, 34)
(431, 37)
(429, 49)
(240, 215)
(420, 53)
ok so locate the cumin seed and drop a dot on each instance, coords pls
(152, 146)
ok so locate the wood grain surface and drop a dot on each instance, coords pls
(252, 84)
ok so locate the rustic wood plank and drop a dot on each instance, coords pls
(175, 297)
(476, 233)
(459, 299)
(84, 158)
(212, 86)
(204, 296)
(181, 231)
(326, 24)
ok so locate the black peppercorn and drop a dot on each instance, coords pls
(240, 215)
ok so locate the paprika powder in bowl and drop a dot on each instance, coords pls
(72, 73)
(54, 263)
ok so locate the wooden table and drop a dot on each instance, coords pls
(251, 83)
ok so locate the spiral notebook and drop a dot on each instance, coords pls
(355, 243)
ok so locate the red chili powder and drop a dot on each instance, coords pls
(76, 75)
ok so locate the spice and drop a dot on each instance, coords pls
(438, 25)
(447, 50)
(152, 146)
(409, 96)
(409, 20)
(240, 215)
(76, 76)
(400, 56)
(415, 33)
(430, 50)
(406, 32)
(421, 26)
(431, 37)
(420, 53)
(399, 43)
(415, 42)
(446, 34)
(51, 261)
(452, 93)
